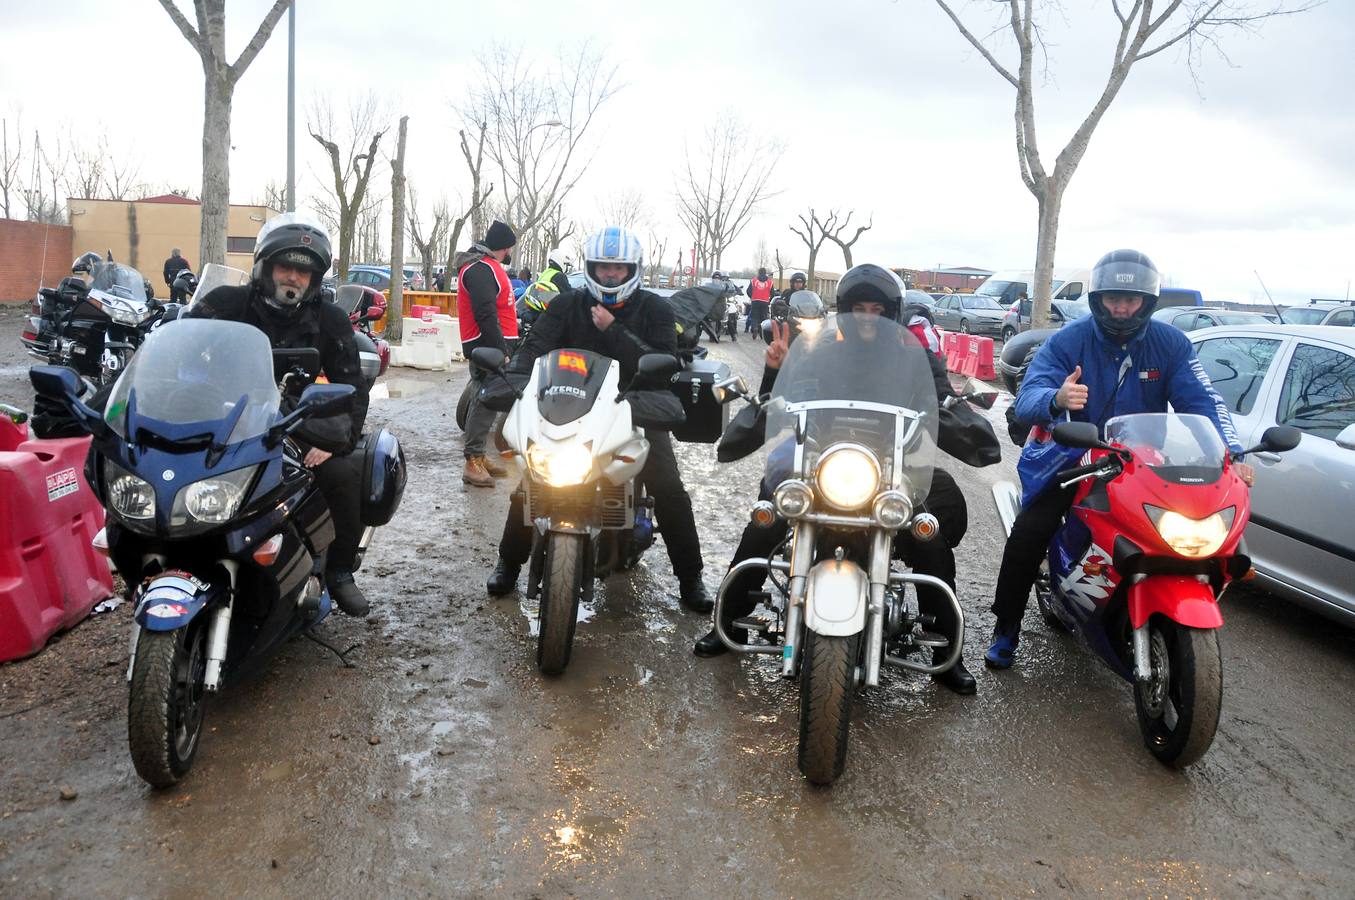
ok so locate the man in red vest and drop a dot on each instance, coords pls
(487, 314)
(759, 301)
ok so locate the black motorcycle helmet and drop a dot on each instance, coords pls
(299, 240)
(1124, 272)
(871, 283)
(186, 282)
(800, 277)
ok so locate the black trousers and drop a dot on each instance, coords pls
(732, 325)
(1026, 548)
(340, 480)
(936, 557)
(177, 296)
(757, 311)
(672, 510)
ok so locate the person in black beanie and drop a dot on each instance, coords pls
(487, 313)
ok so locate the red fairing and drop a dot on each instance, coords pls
(1178, 597)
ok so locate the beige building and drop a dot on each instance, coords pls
(142, 233)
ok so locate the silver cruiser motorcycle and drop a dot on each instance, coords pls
(852, 436)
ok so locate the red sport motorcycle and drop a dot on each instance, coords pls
(1135, 571)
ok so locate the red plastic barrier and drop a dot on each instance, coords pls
(12, 434)
(50, 574)
(973, 356)
(948, 341)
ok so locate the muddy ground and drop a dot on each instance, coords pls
(444, 765)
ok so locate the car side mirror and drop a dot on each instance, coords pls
(490, 358)
(1083, 435)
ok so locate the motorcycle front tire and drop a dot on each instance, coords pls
(827, 682)
(562, 582)
(166, 703)
(1178, 710)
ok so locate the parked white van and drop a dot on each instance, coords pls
(1005, 287)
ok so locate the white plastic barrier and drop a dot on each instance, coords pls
(429, 345)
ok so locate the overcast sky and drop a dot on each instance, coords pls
(883, 107)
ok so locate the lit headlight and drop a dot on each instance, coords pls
(1193, 538)
(562, 466)
(129, 496)
(892, 510)
(122, 315)
(810, 326)
(792, 499)
(847, 476)
(212, 501)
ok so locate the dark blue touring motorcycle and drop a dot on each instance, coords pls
(217, 527)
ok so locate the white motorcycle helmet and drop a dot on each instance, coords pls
(612, 245)
(559, 259)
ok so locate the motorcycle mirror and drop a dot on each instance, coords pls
(979, 393)
(730, 389)
(1083, 435)
(374, 313)
(657, 366)
(55, 382)
(323, 399)
(1279, 438)
(492, 358)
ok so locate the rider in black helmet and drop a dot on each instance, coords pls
(283, 300)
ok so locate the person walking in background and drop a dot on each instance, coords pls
(759, 302)
(173, 266)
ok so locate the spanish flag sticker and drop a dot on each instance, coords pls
(572, 362)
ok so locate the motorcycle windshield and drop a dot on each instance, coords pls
(120, 281)
(1180, 448)
(211, 373)
(215, 276)
(569, 382)
(862, 380)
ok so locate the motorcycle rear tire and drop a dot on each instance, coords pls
(166, 703)
(827, 683)
(463, 403)
(561, 585)
(1193, 691)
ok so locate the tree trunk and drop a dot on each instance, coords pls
(809, 276)
(216, 177)
(395, 310)
(1041, 291)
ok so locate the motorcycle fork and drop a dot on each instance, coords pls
(881, 543)
(801, 559)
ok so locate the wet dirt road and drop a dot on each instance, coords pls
(444, 765)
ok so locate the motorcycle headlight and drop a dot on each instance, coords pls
(892, 510)
(1192, 538)
(561, 466)
(128, 496)
(810, 326)
(212, 500)
(848, 476)
(792, 499)
(122, 316)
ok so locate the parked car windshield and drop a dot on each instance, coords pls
(1242, 318)
(1303, 315)
(977, 302)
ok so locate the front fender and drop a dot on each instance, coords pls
(171, 600)
(1180, 598)
(835, 598)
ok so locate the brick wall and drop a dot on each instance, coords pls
(21, 258)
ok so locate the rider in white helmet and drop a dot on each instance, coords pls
(614, 317)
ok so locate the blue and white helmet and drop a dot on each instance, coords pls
(612, 245)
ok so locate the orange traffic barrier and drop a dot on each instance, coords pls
(443, 302)
(971, 356)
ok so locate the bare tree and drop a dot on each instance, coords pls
(625, 209)
(536, 124)
(220, 78)
(273, 196)
(43, 195)
(86, 175)
(396, 308)
(479, 196)
(836, 236)
(814, 234)
(655, 251)
(555, 230)
(780, 266)
(1146, 28)
(721, 187)
(761, 258)
(427, 239)
(352, 154)
(11, 163)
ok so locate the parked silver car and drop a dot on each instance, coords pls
(969, 314)
(1302, 532)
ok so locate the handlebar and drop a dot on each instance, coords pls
(1078, 472)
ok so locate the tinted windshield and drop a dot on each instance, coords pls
(977, 302)
(119, 280)
(1303, 315)
(199, 371)
(827, 379)
(1178, 447)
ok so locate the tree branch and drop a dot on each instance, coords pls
(189, 32)
(256, 43)
(977, 44)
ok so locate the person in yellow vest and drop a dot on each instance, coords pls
(759, 301)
